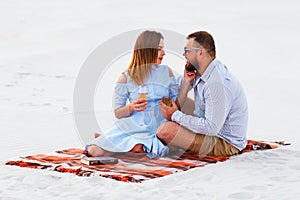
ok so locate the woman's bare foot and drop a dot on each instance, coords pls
(138, 148)
(94, 150)
(96, 135)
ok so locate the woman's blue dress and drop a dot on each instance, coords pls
(140, 127)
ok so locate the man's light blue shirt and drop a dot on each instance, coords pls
(220, 106)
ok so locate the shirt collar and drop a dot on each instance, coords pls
(209, 70)
(206, 73)
(196, 80)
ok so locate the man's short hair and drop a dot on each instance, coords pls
(205, 40)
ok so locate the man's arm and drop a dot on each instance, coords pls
(217, 105)
(181, 98)
(185, 86)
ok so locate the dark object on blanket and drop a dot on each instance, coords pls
(167, 101)
(102, 160)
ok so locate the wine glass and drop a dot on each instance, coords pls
(143, 94)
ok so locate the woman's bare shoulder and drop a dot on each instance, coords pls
(122, 78)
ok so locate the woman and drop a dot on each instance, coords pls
(136, 124)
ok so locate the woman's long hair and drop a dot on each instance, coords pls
(144, 56)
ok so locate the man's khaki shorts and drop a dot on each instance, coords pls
(212, 146)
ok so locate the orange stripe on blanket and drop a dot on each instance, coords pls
(129, 168)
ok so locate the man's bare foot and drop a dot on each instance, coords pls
(96, 135)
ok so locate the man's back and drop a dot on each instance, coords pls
(231, 107)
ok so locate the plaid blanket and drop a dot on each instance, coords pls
(129, 168)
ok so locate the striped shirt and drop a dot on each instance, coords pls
(220, 106)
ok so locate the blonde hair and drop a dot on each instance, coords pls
(144, 56)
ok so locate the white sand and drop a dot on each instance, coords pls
(44, 44)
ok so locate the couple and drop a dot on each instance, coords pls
(147, 125)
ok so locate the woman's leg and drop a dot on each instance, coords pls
(138, 148)
(94, 150)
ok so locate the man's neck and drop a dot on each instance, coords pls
(203, 65)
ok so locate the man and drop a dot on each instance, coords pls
(219, 124)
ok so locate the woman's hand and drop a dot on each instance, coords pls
(138, 105)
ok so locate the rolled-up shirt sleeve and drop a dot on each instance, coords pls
(218, 103)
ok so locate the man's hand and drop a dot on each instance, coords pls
(167, 111)
(189, 76)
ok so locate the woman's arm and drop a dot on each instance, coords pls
(137, 105)
(125, 110)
